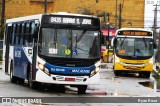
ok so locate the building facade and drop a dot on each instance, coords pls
(132, 10)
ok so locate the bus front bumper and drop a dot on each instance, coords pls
(132, 67)
(66, 80)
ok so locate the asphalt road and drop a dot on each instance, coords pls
(127, 85)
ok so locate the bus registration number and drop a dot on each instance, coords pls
(69, 79)
(133, 67)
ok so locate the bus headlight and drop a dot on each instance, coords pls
(94, 71)
(41, 66)
(148, 63)
(44, 69)
(118, 61)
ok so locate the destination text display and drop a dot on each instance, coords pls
(69, 20)
(135, 33)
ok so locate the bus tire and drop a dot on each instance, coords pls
(147, 74)
(13, 79)
(140, 75)
(21, 81)
(82, 89)
(117, 73)
(31, 83)
(144, 74)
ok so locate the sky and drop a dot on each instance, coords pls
(149, 13)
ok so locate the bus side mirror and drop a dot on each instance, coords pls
(154, 45)
(113, 42)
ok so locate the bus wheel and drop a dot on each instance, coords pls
(82, 89)
(20, 80)
(13, 79)
(140, 74)
(144, 74)
(147, 74)
(31, 83)
(117, 73)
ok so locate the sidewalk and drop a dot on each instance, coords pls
(107, 65)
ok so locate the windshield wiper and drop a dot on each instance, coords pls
(80, 37)
(123, 41)
(145, 42)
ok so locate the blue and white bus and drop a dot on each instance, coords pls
(59, 48)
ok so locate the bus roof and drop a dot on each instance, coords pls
(39, 16)
(140, 29)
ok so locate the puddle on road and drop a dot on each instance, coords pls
(151, 84)
(147, 84)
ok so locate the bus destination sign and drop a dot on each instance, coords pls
(70, 20)
(135, 33)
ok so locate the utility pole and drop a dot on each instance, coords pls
(155, 23)
(155, 36)
(116, 16)
(45, 6)
(108, 26)
(120, 15)
(2, 18)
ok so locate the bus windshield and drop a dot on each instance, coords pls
(68, 43)
(134, 47)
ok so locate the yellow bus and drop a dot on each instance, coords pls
(133, 51)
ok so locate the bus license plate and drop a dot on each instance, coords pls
(134, 67)
(69, 79)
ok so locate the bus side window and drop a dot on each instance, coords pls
(13, 34)
(18, 33)
(27, 33)
(7, 31)
(22, 34)
(31, 32)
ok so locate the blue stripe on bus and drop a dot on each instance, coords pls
(69, 70)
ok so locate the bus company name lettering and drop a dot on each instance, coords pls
(17, 54)
(81, 71)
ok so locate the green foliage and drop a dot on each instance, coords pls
(1, 55)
